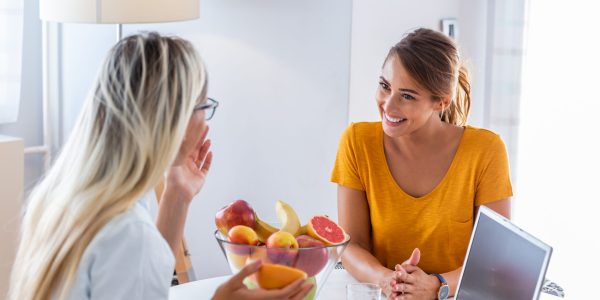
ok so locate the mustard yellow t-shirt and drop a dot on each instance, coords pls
(439, 223)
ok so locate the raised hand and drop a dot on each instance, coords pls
(183, 180)
(187, 174)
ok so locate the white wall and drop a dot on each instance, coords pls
(378, 25)
(472, 19)
(490, 33)
(280, 70)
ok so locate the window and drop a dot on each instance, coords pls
(11, 28)
(557, 197)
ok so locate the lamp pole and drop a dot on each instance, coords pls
(119, 32)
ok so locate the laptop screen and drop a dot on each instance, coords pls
(502, 263)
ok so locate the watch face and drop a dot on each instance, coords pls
(443, 292)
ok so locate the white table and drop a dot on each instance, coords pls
(334, 289)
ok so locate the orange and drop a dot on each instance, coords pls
(272, 276)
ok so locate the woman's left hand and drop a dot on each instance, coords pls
(187, 174)
(414, 283)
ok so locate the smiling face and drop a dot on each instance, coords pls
(404, 106)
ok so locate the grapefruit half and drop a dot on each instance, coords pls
(326, 230)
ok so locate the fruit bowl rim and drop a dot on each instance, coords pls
(218, 236)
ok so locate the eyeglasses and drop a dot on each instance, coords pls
(211, 106)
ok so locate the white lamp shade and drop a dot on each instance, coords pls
(118, 11)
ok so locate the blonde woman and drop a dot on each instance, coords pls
(86, 233)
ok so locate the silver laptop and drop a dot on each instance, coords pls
(502, 262)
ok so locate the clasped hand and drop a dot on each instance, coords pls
(408, 281)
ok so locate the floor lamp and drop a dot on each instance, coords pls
(106, 12)
(116, 12)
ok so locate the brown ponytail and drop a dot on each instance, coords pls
(433, 61)
(458, 111)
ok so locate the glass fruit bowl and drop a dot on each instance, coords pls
(317, 262)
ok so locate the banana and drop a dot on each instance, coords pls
(287, 217)
(264, 230)
(303, 230)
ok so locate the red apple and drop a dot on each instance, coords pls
(281, 248)
(311, 261)
(238, 212)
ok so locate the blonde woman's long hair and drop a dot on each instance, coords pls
(128, 133)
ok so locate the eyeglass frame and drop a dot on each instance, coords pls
(211, 104)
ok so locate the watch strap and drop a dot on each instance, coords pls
(444, 289)
(440, 278)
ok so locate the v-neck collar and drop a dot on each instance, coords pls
(439, 184)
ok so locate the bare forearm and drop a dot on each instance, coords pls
(172, 213)
(363, 265)
(452, 280)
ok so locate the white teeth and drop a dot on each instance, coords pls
(395, 120)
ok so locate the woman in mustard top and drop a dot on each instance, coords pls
(410, 185)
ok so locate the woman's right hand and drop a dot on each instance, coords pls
(389, 282)
(234, 288)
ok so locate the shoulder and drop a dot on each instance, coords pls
(133, 227)
(482, 138)
(362, 131)
(483, 144)
(365, 128)
(131, 244)
(127, 258)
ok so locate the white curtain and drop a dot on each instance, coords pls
(11, 42)
(559, 163)
(506, 23)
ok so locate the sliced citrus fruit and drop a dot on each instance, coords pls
(272, 276)
(326, 230)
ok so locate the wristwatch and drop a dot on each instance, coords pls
(444, 290)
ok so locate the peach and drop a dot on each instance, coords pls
(238, 212)
(241, 234)
(241, 238)
(311, 261)
(282, 239)
(281, 248)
